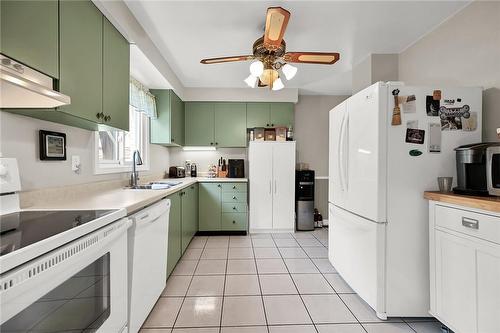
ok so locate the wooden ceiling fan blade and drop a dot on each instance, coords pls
(276, 22)
(324, 58)
(226, 59)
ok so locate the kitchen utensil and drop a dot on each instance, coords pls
(396, 112)
(445, 184)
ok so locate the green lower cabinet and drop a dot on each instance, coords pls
(282, 114)
(230, 124)
(223, 207)
(234, 221)
(189, 225)
(210, 206)
(174, 231)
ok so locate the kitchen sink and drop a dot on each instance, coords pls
(160, 185)
(143, 187)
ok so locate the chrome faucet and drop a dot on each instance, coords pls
(136, 160)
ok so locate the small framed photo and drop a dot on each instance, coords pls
(52, 146)
(414, 135)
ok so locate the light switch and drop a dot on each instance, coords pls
(75, 163)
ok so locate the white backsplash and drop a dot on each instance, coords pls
(203, 158)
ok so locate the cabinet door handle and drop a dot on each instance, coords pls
(267, 125)
(272, 125)
(234, 198)
(216, 143)
(211, 143)
(270, 187)
(234, 187)
(219, 185)
(107, 118)
(234, 222)
(234, 208)
(470, 223)
(275, 187)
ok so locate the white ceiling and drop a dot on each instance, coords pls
(144, 71)
(187, 31)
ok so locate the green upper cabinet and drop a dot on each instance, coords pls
(200, 124)
(230, 124)
(270, 114)
(282, 114)
(29, 33)
(210, 206)
(81, 66)
(168, 128)
(258, 115)
(115, 77)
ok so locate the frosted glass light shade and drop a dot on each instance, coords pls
(251, 81)
(278, 84)
(256, 68)
(289, 71)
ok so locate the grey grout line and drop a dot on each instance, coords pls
(189, 286)
(224, 288)
(260, 286)
(293, 281)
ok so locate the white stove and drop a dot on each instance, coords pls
(60, 270)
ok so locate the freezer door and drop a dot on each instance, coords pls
(363, 152)
(357, 251)
(336, 191)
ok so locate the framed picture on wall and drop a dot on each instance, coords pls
(52, 146)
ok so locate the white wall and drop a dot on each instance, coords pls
(19, 139)
(463, 51)
(311, 134)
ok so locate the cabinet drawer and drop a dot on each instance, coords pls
(234, 221)
(470, 223)
(234, 207)
(234, 187)
(234, 197)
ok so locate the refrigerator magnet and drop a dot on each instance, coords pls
(432, 106)
(415, 152)
(451, 118)
(436, 95)
(434, 137)
(412, 124)
(470, 124)
(414, 135)
(410, 104)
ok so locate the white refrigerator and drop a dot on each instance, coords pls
(378, 227)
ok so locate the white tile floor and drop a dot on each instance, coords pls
(266, 283)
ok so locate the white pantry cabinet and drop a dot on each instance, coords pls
(272, 186)
(465, 268)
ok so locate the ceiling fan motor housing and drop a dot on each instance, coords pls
(260, 51)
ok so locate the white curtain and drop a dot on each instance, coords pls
(141, 99)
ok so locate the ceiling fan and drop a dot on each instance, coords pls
(270, 54)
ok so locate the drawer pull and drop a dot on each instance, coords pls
(234, 222)
(234, 187)
(234, 208)
(470, 223)
(234, 198)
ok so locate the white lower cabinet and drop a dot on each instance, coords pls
(465, 268)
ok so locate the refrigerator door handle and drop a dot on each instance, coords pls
(270, 187)
(340, 149)
(275, 187)
(346, 158)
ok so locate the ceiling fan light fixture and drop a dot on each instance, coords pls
(251, 81)
(257, 68)
(289, 71)
(268, 76)
(278, 84)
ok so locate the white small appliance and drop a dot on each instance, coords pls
(272, 186)
(147, 260)
(378, 218)
(60, 270)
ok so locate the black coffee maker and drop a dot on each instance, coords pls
(471, 169)
(236, 168)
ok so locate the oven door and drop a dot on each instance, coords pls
(79, 287)
(493, 170)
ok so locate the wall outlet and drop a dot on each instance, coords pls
(75, 163)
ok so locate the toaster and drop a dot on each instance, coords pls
(176, 172)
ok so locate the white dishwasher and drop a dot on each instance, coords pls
(147, 260)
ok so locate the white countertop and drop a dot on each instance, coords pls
(131, 200)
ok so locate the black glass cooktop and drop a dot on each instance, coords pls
(20, 229)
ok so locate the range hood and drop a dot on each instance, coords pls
(23, 87)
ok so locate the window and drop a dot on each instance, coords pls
(114, 148)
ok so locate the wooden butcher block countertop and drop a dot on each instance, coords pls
(491, 204)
